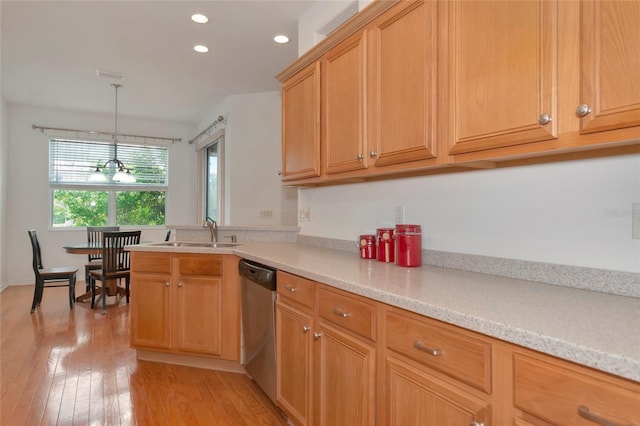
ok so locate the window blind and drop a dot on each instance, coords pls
(73, 161)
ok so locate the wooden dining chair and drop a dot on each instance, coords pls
(116, 264)
(94, 261)
(62, 276)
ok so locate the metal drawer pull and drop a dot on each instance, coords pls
(474, 423)
(339, 312)
(431, 351)
(584, 411)
(305, 328)
(167, 283)
(180, 283)
(291, 289)
(317, 335)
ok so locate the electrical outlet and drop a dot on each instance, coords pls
(400, 214)
(266, 214)
(635, 221)
(304, 214)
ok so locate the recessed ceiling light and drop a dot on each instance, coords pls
(199, 18)
(200, 48)
(281, 38)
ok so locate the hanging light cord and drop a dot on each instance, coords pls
(119, 163)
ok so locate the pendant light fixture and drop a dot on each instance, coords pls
(123, 174)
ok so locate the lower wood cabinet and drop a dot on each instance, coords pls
(434, 373)
(294, 362)
(413, 397)
(347, 360)
(186, 304)
(549, 391)
(326, 373)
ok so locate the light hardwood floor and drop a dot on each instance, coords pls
(76, 368)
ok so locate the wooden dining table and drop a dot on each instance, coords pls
(93, 248)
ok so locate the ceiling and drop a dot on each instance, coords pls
(52, 49)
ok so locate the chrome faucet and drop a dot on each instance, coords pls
(213, 228)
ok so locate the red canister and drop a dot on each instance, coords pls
(408, 240)
(386, 246)
(367, 246)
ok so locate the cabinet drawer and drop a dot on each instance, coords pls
(154, 263)
(558, 394)
(348, 312)
(295, 288)
(210, 264)
(455, 353)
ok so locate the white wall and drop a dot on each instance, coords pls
(252, 160)
(574, 213)
(3, 192)
(28, 192)
(3, 182)
(322, 18)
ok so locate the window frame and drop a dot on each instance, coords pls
(201, 148)
(111, 188)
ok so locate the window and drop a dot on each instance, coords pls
(212, 182)
(78, 202)
(211, 170)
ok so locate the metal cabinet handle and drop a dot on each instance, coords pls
(544, 119)
(582, 110)
(474, 423)
(359, 157)
(167, 284)
(291, 289)
(317, 335)
(583, 411)
(431, 351)
(373, 154)
(180, 283)
(305, 329)
(339, 312)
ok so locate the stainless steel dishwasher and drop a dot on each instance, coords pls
(258, 290)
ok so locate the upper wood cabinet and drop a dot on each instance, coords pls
(343, 104)
(379, 93)
(410, 87)
(610, 65)
(403, 84)
(502, 73)
(301, 124)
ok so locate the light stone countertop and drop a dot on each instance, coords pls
(595, 329)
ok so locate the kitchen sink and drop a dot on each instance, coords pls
(195, 244)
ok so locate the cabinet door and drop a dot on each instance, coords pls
(150, 310)
(343, 79)
(345, 384)
(402, 84)
(301, 124)
(413, 398)
(294, 361)
(198, 315)
(502, 73)
(610, 64)
(560, 393)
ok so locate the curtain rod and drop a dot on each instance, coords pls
(207, 131)
(94, 132)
